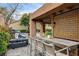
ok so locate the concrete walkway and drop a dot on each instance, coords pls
(22, 51)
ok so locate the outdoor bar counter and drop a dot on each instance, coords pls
(71, 45)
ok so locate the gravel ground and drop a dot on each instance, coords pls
(22, 51)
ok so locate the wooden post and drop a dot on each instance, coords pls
(52, 24)
(32, 28)
(76, 51)
(42, 28)
(32, 35)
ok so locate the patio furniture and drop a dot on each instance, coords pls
(69, 45)
(35, 46)
(61, 41)
(15, 43)
(50, 50)
(44, 46)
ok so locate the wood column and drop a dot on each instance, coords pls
(32, 28)
(42, 28)
(52, 24)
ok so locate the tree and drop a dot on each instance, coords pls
(25, 20)
(9, 10)
(12, 10)
(7, 13)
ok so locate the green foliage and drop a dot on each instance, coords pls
(37, 30)
(4, 41)
(48, 32)
(25, 20)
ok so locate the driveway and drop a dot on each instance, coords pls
(22, 51)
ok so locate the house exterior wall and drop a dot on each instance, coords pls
(2, 20)
(17, 26)
(67, 25)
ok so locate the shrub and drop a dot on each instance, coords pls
(48, 32)
(4, 41)
(37, 30)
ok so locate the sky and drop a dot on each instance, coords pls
(22, 8)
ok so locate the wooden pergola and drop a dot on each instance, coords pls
(63, 19)
(48, 14)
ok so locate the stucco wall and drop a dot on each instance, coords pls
(17, 26)
(2, 21)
